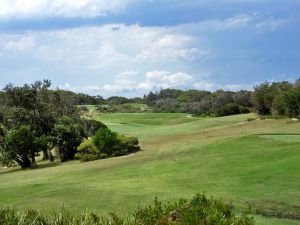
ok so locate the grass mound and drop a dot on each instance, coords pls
(200, 210)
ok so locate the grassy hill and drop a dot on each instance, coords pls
(250, 162)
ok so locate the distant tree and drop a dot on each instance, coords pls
(292, 102)
(242, 98)
(262, 98)
(221, 98)
(231, 109)
(167, 105)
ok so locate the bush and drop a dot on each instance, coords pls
(231, 109)
(88, 147)
(88, 157)
(105, 144)
(200, 210)
(126, 145)
(104, 140)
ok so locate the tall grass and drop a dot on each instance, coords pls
(200, 210)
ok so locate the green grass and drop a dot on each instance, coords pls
(295, 138)
(226, 157)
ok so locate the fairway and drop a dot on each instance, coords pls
(227, 157)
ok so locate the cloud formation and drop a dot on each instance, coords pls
(218, 51)
(153, 80)
(10, 9)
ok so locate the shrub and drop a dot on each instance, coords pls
(126, 145)
(104, 140)
(87, 146)
(200, 210)
(231, 109)
(88, 157)
(106, 144)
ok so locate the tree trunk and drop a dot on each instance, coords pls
(24, 162)
(45, 155)
(50, 156)
(33, 163)
(58, 152)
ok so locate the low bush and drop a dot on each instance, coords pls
(106, 143)
(200, 210)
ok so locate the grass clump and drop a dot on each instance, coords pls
(200, 210)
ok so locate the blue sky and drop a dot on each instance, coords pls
(129, 47)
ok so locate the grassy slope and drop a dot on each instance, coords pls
(225, 157)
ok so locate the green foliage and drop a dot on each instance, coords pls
(106, 143)
(67, 135)
(87, 151)
(126, 145)
(200, 210)
(91, 126)
(231, 109)
(196, 102)
(278, 99)
(262, 98)
(22, 145)
(292, 102)
(105, 140)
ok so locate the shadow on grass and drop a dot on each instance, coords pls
(280, 210)
(38, 167)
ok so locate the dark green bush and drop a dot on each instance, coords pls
(231, 109)
(105, 139)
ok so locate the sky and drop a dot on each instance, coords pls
(131, 47)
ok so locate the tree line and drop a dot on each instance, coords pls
(197, 102)
(276, 99)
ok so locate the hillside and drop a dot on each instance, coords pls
(249, 162)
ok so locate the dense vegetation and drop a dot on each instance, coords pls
(277, 99)
(106, 143)
(200, 210)
(34, 119)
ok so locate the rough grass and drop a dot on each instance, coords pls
(200, 210)
(225, 157)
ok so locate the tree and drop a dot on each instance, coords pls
(67, 135)
(292, 102)
(22, 145)
(262, 98)
(51, 117)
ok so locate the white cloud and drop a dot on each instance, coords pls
(102, 48)
(10, 9)
(125, 82)
(272, 24)
(20, 44)
(204, 85)
(166, 79)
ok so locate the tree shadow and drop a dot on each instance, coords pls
(38, 167)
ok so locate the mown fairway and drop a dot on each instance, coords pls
(254, 162)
